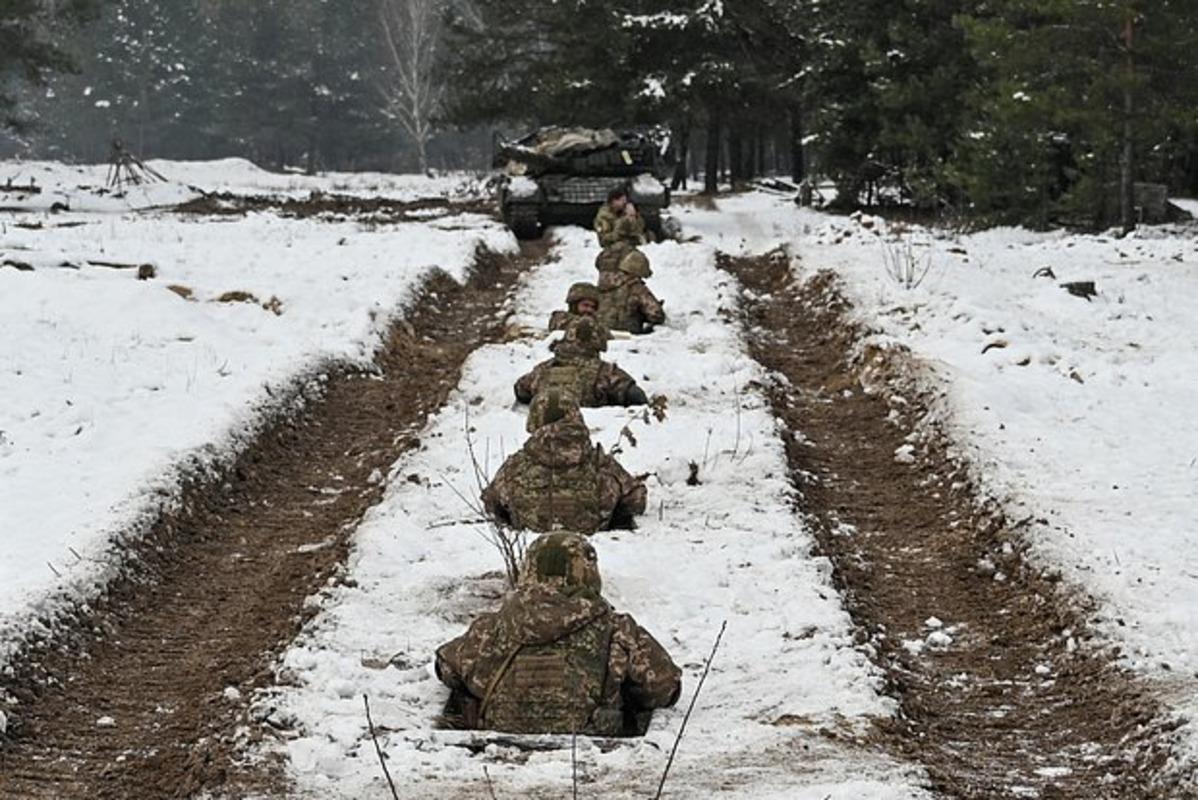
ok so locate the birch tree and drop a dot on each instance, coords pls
(413, 90)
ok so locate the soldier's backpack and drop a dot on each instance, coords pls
(609, 259)
(571, 381)
(548, 497)
(574, 378)
(556, 687)
(617, 311)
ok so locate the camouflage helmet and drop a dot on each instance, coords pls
(609, 257)
(564, 561)
(582, 291)
(635, 263)
(580, 339)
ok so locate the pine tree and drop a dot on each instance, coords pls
(31, 46)
(528, 61)
(1079, 93)
(889, 87)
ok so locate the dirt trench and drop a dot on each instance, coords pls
(1002, 688)
(322, 204)
(144, 698)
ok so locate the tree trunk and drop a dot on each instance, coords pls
(798, 161)
(1127, 187)
(422, 154)
(682, 148)
(711, 174)
(736, 156)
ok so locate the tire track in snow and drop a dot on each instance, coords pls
(147, 698)
(1004, 691)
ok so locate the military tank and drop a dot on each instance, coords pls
(560, 176)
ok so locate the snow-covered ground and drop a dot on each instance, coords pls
(111, 384)
(1078, 415)
(788, 693)
(84, 187)
(1074, 412)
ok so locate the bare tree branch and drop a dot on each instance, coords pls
(414, 91)
(377, 749)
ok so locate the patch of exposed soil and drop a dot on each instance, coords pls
(1003, 689)
(142, 698)
(321, 204)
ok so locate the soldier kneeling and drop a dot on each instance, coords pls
(625, 302)
(559, 480)
(556, 658)
(577, 371)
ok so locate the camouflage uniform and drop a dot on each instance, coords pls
(577, 374)
(559, 480)
(613, 227)
(628, 304)
(564, 320)
(609, 258)
(618, 235)
(556, 658)
(591, 382)
(561, 320)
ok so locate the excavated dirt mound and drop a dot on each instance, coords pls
(320, 204)
(143, 699)
(1003, 690)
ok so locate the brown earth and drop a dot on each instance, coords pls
(321, 204)
(136, 699)
(1025, 701)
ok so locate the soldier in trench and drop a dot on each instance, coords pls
(556, 657)
(577, 372)
(582, 302)
(560, 480)
(625, 302)
(620, 229)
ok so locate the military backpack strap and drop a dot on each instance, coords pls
(607, 720)
(499, 675)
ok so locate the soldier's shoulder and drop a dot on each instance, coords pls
(626, 629)
(481, 630)
(513, 465)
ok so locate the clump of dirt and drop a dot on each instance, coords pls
(1003, 689)
(273, 305)
(321, 204)
(237, 296)
(143, 694)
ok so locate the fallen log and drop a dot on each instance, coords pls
(144, 271)
(38, 226)
(537, 743)
(30, 188)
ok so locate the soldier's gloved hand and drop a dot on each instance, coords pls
(630, 210)
(636, 397)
